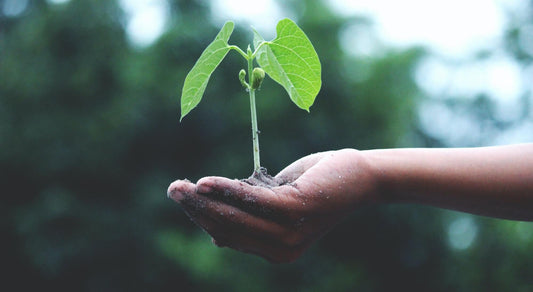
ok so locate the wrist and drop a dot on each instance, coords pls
(379, 165)
(365, 183)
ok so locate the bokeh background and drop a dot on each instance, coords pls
(90, 139)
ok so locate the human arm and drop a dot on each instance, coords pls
(490, 181)
(280, 223)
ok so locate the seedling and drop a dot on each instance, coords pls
(289, 59)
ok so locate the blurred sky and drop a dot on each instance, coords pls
(454, 31)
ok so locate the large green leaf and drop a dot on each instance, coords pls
(291, 60)
(197, 79)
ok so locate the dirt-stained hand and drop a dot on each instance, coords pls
(279, 223)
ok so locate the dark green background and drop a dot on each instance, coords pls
(90, 140)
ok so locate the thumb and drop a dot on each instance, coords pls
(299, 167)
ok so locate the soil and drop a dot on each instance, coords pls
(261, 178)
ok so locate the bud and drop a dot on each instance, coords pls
(242, 74)
(257, 77)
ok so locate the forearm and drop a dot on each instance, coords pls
(491, 181)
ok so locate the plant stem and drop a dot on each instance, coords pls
(239, 51)
(255, 131)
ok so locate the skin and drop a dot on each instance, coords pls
(321, 189)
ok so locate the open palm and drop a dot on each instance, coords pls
(279, 223)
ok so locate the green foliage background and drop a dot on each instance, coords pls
(90, 140)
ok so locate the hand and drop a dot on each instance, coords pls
(279, 223)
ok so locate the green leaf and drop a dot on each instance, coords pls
(291, 60)
(197, 79)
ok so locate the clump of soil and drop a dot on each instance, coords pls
(261, 178)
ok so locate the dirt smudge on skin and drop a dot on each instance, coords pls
(193, 205)
(261, 178)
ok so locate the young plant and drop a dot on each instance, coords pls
(289, 59)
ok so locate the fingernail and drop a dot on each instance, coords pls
(173, 192)
(204, 189)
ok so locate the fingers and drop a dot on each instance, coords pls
(239, 215)
(257, 200)
(231, 218)
(258, 223)
(300, 166)
(179, 189)
(275, 249)
(269, 250)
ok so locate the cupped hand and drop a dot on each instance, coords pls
(279, 223)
